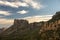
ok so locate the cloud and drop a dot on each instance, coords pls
(15, 4)
(34, 4)
(5, 12)
(22, 12)
(38, 18)
(6, 22)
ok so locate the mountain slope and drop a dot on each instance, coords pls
(22, 30)
(51, 29)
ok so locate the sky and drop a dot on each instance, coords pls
(31, 10)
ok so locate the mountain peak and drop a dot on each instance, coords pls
(56, 16)
(19, 22)
(58, 13)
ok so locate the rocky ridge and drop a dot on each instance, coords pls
(22, 30)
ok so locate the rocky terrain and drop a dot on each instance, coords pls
(23, 30)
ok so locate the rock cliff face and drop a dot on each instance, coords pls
(22, 30)
(51, 29)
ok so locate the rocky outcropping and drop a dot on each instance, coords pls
(51, 29)
(22, 30)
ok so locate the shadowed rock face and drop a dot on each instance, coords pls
(1, 30)
(56, 16)
(22, 30)
(20, 22)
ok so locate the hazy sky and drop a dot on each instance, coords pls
(32, 10)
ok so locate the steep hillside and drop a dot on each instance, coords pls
(22, 30)
(51, 29)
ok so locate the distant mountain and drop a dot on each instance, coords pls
(22, 30)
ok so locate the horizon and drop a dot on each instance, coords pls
(31, 10)
(29, 19)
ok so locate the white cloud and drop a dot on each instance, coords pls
(15, 4)
(38, 18)
(22, 12)
(4, 12)
(34, 4)
(6, 22)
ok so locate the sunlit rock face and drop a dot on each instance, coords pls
(53, 23)
(51, 29)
